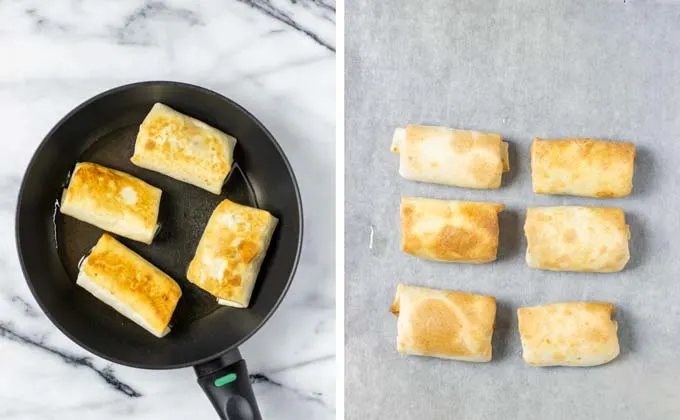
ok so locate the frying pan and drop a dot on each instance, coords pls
(204, 335)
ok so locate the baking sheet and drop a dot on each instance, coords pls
(600, 69)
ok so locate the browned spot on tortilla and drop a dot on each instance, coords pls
(248, 251)
(596, 335)
(453, 241)
(462, 143)
(569, 236)
(438, 330)
(235, 281)
(483, 171)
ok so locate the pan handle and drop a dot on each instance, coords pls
(226, 383)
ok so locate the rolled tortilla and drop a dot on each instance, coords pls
(445, 324)
(583, 167)
(113, 201)
(129, 284)
(231, 251)
(452, 157)
(589, 239)
(568, 334)
(184, 148)
(450, 231)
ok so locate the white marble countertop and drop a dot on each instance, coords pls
(276, 58)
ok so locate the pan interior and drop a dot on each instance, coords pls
(51, 244)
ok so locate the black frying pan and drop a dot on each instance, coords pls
(204, 335)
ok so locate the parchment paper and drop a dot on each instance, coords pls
(599, 69)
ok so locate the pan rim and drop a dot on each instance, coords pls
(67, 117)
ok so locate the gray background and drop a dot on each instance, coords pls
(520, 68)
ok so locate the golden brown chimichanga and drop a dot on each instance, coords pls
(568, 334)
(184, 148)
(584, 167)
(445, 324)
(131, 285)
(442, 155)
(231, 251)
(113, 201)
(589, 239)
(450, 231)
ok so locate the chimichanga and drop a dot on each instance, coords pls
(585, 167)
(452, 157)
(440, 323)
(129, 284)
(568, 334)
(450, 231)
(113, 201)
(231, 251)
(184, 148)
(565, 238)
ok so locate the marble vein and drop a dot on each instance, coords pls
(107, 373)
(254, 75)
(133, 30)
(303, 363)
(25, 307)
(44, 24)
(268, 8)
(260, 378)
